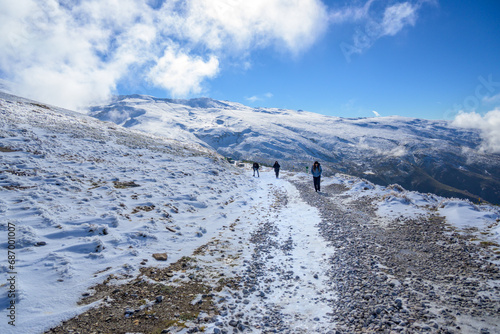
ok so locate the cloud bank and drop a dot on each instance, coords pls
(76, 53)
(489, 125)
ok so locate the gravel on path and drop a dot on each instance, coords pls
(413, 275)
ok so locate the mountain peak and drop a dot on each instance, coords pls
(200, 102)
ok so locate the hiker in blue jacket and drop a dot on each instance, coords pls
(316, 172)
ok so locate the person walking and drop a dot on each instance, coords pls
(256, 169)
(276, 167)
(316, 172)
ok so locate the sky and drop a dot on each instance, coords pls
(431, 59)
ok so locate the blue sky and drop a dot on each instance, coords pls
(428, 70)
(417, 58)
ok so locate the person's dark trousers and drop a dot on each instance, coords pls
(317, 181)
(277, 171)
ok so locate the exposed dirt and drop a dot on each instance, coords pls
(157, 300)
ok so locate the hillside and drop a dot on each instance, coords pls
(86, 199)
(421, 155)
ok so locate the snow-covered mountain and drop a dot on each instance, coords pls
(85, 203)
(422, 155)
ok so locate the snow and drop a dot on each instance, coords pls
(299, 302)
(86, 199)
(393, 202)
(299, 220)
(463, 214)
(62, 188)
(484, 220)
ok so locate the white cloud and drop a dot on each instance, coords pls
(350, 14)
(74, 53)
(70, 55)
(397, 151)
(253, 99)
(375, 113)
(262, 97)
(182, 74)
(489, 125)
(242, 24)
(378, 23)
(397, 17)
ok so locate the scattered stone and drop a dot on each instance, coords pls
(160, 256)
(7, 149)
(127, 184)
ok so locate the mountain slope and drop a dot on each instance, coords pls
(82, 200)
(422, 155)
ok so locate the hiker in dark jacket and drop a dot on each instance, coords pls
(256, 169)
(276, 167)
(316, 172)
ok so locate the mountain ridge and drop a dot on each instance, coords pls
(422, 155)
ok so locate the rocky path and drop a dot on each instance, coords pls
(408, 276)
(304, 262)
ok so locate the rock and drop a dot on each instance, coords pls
(128, 312)
(127, 184)
(160, 256)
(399, 303)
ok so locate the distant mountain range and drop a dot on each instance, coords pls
(422, 155)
